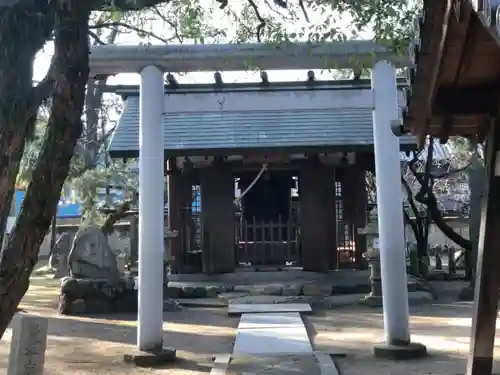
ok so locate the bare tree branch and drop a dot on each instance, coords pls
(262, 21)
(124, 25)
(428, 198)
(96, 38)
(416, 224)
(173, 25)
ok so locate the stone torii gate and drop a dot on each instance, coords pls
(151, 62)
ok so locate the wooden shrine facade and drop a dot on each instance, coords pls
(296, 151)
(272, 225)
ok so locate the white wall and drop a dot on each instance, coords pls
(270, 100)
(436, 237)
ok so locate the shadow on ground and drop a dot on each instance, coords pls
(443, 328)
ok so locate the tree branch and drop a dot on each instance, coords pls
(429, 199)
(412, 223)
(262, 21)
(124, 25)
(173, 25)
(124, 5)
(416, 225)
(121, 212)
(96, 38)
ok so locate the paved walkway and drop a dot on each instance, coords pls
(273, 343)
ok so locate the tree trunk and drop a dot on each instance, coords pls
(436, 215)
(476, 186)
(93, 100)
(63, 130)
(29, 27)
(437, 218)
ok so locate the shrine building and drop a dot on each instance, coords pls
(298, 151)
(318, 137)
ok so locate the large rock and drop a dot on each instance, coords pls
(347, 287)
(268, 300)
(229, 296)
(96, 296)
(91, 257)
(340, 300)
(419, 298)
(194, 289)
(293, 289)
(317, 289)
(260, 289)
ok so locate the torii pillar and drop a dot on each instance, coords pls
(151, 213)
(390, 218)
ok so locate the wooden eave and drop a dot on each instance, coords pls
(455, 82)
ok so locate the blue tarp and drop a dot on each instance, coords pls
(70, 210)
(65, 209)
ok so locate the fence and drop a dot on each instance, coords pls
(271, 242)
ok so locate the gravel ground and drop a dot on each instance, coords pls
(85, 345)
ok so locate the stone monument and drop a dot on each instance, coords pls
(91, 257)
(95, 284)
(59, 257)
(98, 283)
(28, 345)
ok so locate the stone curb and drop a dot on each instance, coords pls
(175, 289)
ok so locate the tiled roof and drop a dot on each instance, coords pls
(204, 128)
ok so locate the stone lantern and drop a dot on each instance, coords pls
(373, 258)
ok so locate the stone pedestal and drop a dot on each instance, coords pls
(29, 342)
(375, 296)
(373, 257)
(405, 351)
(156, 358)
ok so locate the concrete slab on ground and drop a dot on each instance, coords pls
(275, 365)
(238, 309)
(281, 365)
(201, 302)
(271, 334)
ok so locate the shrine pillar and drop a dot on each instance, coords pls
(218, 220)
(151, 210)
(179, 212)
(317, 216)
(487, 282)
